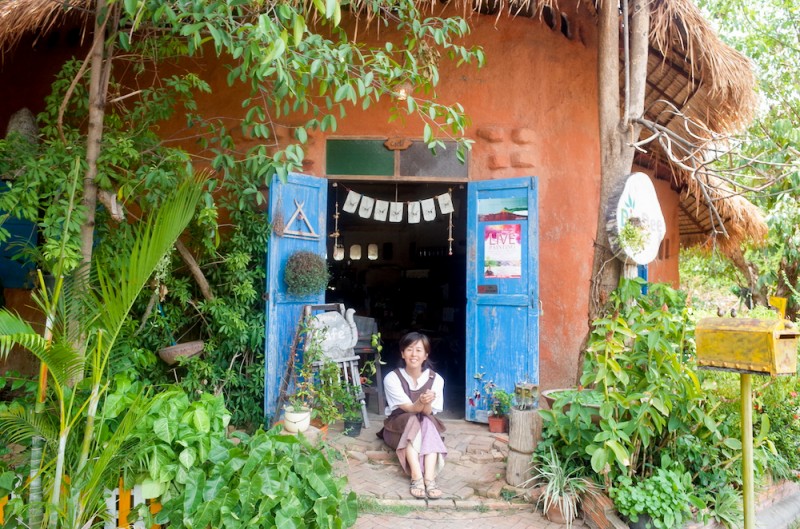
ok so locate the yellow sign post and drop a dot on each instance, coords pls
(747, 346)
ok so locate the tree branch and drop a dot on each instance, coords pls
(198, 275)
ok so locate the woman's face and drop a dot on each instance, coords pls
(414, 355)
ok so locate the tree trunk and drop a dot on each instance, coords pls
(98, 88)
(617, 131)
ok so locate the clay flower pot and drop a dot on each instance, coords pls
(170, 354)
(498, 424)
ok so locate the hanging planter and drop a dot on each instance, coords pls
(306, 274)
(635, 223)
(170, 354)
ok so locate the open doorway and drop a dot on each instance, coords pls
(403, 274)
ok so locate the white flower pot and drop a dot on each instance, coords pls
(296, 421)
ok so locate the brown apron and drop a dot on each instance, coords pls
(395, 424)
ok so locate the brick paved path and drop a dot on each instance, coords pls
(473, 482)
(454, 519)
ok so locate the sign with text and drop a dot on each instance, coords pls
(502, 255)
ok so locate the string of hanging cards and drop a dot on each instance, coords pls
(379, 210)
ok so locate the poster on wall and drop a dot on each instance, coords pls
(502, 251)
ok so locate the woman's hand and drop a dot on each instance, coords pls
(427, 397)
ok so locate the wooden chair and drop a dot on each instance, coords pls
(340, 336)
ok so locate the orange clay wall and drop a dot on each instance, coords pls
(533, 111)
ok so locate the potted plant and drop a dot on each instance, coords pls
(306, 273)
(499, 407)
(563, 486)
(327, 389)
(350, 399)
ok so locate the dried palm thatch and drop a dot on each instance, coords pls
(692, 74)
(18, 17)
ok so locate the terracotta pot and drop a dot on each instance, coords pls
(498, 424)
(170, 354)
(555, 515)
(296, 421)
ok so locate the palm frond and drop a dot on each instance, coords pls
(153, 238)
(21, 425)
(63, 362)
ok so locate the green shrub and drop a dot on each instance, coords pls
(664, 497)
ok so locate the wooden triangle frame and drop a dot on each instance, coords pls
(300, 215)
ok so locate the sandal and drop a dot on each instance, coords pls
(417, 488)
(434, 492)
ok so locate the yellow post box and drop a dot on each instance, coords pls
(747, 345)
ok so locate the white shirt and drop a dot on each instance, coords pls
(395, 396)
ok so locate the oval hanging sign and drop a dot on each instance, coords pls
(637, 227)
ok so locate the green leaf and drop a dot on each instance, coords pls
(164, 430)
(599, 460)
(187, 457)
(201, 420)
(732, 443)
(623, 458)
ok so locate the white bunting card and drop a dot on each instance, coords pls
(396, 212)
(445, 203)
(351, 204)
(365, 210)
(428, 209)
(381, 210)
(414, 212)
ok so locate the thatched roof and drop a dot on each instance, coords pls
(689, 70)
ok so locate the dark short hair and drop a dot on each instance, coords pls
(412, 338)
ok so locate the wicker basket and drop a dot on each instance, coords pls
(170, 354)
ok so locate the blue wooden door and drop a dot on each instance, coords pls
(502, 288)
(297, 210)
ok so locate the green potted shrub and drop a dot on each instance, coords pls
(564, 487)
(500, 402)
(306, 274)
(350, 399)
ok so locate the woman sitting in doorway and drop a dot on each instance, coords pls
(414, 393)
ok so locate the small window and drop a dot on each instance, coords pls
(372, 252)
(355, 252)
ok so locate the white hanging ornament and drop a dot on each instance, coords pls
(414, 212)
(365, 210)
(381, 210)
(428, 209)
(351, 203)
(396, 212)
(445, 203)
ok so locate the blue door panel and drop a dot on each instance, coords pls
(502, 288)
(297, 208)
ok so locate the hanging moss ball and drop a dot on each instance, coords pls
(306, 274)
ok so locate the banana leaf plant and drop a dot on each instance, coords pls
(83, 450)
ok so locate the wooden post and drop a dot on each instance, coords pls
(525, 432)
(747, 450)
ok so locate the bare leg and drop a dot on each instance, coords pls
(412, 458)
(430, 466)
